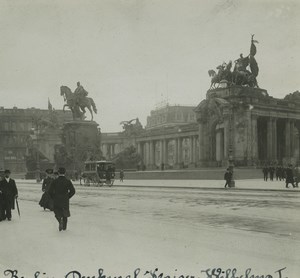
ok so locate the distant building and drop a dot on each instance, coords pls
(18, 126)
(169, 138)
(170, 116)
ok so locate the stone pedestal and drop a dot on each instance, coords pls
(81, 140)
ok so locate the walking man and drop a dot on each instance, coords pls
(122, 175)
(9, 194)
(227, 177)
(271, 171)
(289, 176)
(265, 171)
(61, 191)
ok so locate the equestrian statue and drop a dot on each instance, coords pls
(78, 101)
(240, 75)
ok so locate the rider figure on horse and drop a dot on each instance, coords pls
(79, 93)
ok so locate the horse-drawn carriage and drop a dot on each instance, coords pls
(98, 173)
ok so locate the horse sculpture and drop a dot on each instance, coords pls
(77, 104)
(224, 73)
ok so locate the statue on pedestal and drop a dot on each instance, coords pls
(78, 101)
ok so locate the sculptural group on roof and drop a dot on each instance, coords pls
(244, 72)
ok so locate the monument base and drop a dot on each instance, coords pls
(81, 142)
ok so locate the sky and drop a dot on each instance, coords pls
(132, 55)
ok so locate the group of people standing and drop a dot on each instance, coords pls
(8, 195)
(290, 174)
(58, 190)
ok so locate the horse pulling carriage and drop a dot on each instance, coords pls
(98, 173)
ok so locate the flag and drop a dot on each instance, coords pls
(253, 66)
(49, 105)
(252, 49)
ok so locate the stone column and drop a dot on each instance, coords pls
(165, 152)
(270, 139)
(196, 148)
(108, 154)
(226, 138)
(292, 130)
(201, 142)
(180, 150)
(113, 149)
(147, 160)
(218, 145)
(139, 148)
(192, 150)
(161, 154)
(104, 149)
(287, 139)
(274, 128)
(176, 152)
(152, 154)
(254, 138)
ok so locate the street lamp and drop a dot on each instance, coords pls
(35, 138)
(231, 167)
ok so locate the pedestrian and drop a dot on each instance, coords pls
(1, 198)
(277, 172)
(271, 171)
(227, 177)
(9, 194)
(265, 171)
(289, 176)
(61, 191)
(46, 202)
(122, 175)
(297, 175)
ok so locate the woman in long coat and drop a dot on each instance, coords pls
(46, 202)
(61, 190)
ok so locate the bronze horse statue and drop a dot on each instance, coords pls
(224, 73)
(77, 104)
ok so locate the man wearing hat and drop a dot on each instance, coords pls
(46, 201)
(9, 194)
(61, 190)
(289, 177)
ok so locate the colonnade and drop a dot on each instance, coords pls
(258, 139)
(169, 152)
(109, 150)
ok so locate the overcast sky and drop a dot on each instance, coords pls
(130, 55)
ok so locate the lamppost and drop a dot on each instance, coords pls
(36, 137)
(231, 167)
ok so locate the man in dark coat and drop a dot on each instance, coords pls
(1, 198)
(227, 177)
(289, 176)
(266, 171)
(46, 201)
(271, 171)
(61, 190)
(9, 194)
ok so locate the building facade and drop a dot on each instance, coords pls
(240, 124)
(248, 126)
(170, 138)
(20, 126)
